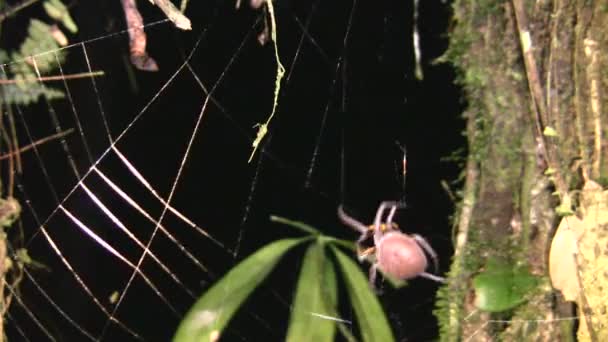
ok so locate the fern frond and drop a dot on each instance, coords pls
(14, 94)
(38, 50)
(39, 46)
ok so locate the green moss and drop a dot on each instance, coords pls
(450, 297)
(603, 181)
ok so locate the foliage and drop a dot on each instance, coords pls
(502, 286)
(211, 313)
(21, 84)
(9, 212)
(314, 315)
(37, 55)
(57, 10)
(372, 321)
(316, 293)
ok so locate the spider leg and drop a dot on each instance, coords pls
(365, 231)
(389, 218)
(425, 245)
(393, 205)
(373, 272)
(351, 222)
(362, 253)
(432, 277)
(380, 211)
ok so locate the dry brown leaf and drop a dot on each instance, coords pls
(137, 38)
(587, 239)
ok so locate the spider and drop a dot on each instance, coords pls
(398, 255)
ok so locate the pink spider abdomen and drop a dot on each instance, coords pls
(399, 256)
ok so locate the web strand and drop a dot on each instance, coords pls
(28, 311)
(316, 152)
(79, 223)
(117, 171)
(16, 325)
(57, 307)
(89, 41)
(73, 107)
(55, 119)
(181, 167)
(34, 147)
(97, 97)
(73, 272)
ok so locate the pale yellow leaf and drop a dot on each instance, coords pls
(562, 257)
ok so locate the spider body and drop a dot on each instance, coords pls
(398, 255)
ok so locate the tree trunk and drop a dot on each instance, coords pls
(534, 74)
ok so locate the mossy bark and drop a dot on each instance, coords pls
(535, 78)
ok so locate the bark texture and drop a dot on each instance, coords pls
(535, 76)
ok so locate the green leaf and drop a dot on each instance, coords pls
(214, 309)
(501, 286)
(295, 224)
(41, 46)
(57, 10)
(303, 227)
(370, 316)
(316, 298)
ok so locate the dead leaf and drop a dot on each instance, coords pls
(578, 261)
(562, 257)
(137, 38)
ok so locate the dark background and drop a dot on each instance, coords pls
(332, 141)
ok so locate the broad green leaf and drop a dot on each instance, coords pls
(370, 316)
(212, 312)
(502, 286)
(315, 301)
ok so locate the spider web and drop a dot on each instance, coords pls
(149, 199)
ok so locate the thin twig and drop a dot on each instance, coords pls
(13, 146)
(36, 143)
(16, 8)
(538, 99)
(54, 78)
